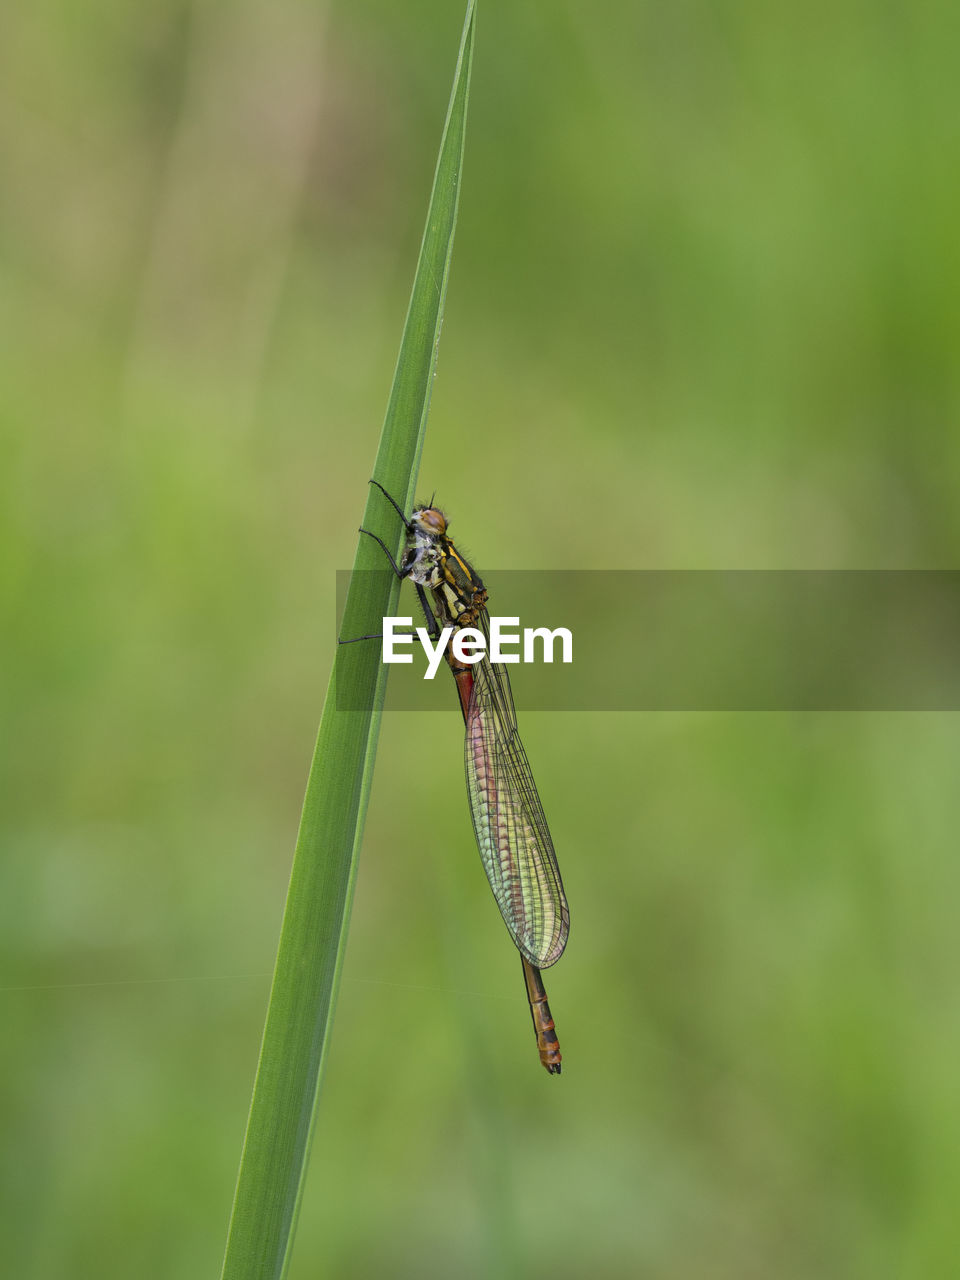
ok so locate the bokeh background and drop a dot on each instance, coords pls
(703, 314)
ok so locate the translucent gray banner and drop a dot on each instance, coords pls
(737, 640)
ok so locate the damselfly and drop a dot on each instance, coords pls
(511, 831)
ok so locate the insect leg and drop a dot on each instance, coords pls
(393, 502)
(376, 635)
(387, 552)
(433, 626)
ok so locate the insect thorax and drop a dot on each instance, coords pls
(424, 556)
(434, 563)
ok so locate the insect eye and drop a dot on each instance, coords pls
(433, 520)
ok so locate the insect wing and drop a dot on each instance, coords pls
(512, 833)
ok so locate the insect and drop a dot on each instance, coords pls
(508, 821)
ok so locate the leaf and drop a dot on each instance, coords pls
(314, 933)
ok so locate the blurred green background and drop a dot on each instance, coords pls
(703, 314)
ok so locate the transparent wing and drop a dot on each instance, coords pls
(508, 820)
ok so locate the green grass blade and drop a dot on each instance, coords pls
(313, 936)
